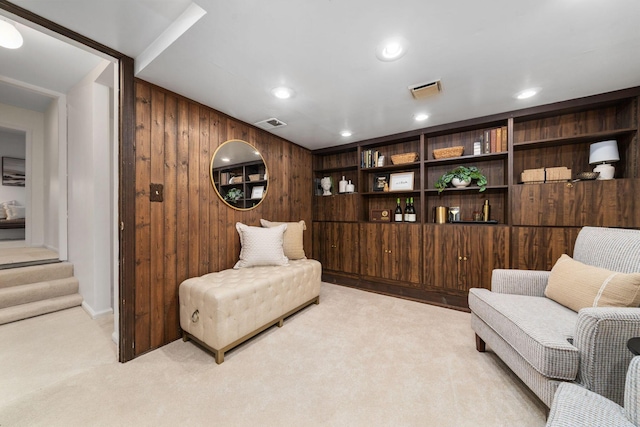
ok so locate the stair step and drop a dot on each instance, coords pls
(32, 309)
(35, 274)
(23, 294)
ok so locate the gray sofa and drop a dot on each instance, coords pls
(545, 343)
(574, 406)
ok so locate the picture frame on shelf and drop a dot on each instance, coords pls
(257, 192)
(401, 181)
(381, 182)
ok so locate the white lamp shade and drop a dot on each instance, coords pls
(604, 152)
(10, 37)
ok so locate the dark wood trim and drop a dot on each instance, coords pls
(127, 193)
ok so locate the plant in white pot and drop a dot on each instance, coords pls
(462, 176)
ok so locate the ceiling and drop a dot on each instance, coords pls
(325, 50)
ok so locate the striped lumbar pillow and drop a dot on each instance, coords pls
(576, 285)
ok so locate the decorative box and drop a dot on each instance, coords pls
(532, 176)
(380, 215)
(558, 174)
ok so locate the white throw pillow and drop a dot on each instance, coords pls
(261, 246)
(293, 243)
(15, 212)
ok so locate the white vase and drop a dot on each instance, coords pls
(457, 182)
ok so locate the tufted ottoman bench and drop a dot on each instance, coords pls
(221, 310)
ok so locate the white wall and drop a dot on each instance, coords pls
(89, 190)
(51, 200)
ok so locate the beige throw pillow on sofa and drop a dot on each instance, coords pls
(576, 285)
(293, 237)
(261, 246)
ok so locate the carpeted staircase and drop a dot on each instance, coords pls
(31, 291)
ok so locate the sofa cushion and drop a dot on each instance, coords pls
(537, 328)
(577, 285)
(293, 243)
(261, 246)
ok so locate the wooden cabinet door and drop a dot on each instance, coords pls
(392, 252)
(441, 243)
(337, 246)
(460, 257)
(482, 249)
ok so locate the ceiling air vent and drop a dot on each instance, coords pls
(271, 123)
(425, 90)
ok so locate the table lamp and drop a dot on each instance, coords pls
(603, 153)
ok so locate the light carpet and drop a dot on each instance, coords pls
(357, 359)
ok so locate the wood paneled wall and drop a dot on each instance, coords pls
(192, 232)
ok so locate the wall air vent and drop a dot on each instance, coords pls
(271, 123)
(425, 90)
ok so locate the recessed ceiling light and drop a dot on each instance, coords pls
(392, 49)
(225, 159)
(346, 133)
(282, 92)
(421, 117)
(10, 37)
(527, 93)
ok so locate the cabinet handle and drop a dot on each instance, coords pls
(334, 246)
(464, 258)
(389, 252)
(569, 185)
(459, 258)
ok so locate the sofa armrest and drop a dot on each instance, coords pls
(519, 282)
(575, 406)
(601, 337)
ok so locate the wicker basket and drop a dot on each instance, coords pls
(254, 177)
(446, 153)
(398, 159)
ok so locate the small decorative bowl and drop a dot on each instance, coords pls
(587, 176)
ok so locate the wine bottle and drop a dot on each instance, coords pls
(398, 212)
(412, 216)
(406, 210)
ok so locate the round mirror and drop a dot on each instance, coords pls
(239, 175)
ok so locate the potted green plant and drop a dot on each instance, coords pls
(233, 195)
(461, 177)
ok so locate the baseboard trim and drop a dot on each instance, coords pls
(95, 314)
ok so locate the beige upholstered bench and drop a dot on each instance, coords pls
(221, 310)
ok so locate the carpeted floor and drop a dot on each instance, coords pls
(357, 359)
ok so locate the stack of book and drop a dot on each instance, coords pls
(494, 140)
(369, 158)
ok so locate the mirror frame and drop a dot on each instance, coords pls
(215, 187)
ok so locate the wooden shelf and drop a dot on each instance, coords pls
(413, 165)
(577, 139)
(467, 159)
(390, 193)
(468, 189)
(338, 169)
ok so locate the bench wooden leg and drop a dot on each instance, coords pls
(185, 337)
(281, 323)
(219, 356)
(481, 346)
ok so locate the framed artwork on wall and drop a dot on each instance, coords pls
(13, 171)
